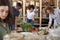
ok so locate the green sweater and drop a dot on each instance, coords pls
(3, 30)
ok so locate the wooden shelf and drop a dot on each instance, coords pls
(36, 23)
(36, 17)
(36, 20)
(50, 6)
(45, 18)
(44, 24)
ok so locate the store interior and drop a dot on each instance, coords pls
(41, 20)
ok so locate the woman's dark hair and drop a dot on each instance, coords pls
(31, 6)
(50, 9)
(9, 18)
(19, 4)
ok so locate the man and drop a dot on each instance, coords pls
(16, 14)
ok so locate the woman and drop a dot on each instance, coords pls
(54, 18)
(30, 14)
(5, 17)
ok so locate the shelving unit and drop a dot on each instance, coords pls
(41, 19)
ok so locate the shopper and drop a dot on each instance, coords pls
(30, 14)
(54, 18)
(16, 15)
(5, 17)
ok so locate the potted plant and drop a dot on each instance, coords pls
(26, 27)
